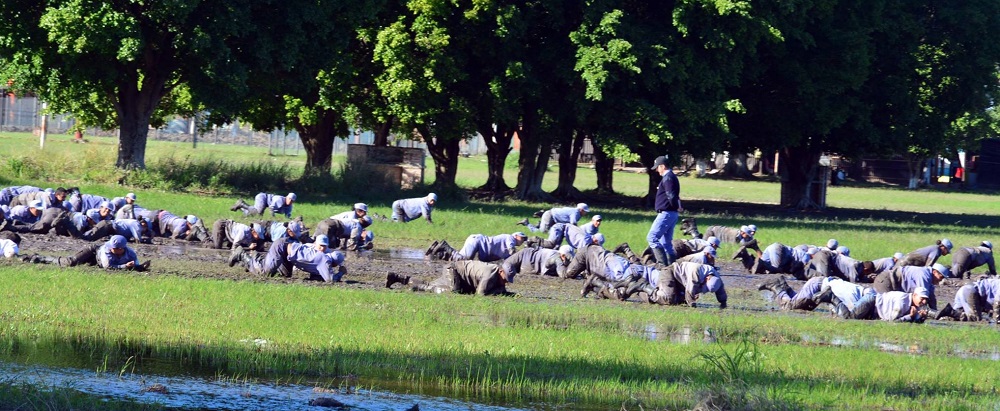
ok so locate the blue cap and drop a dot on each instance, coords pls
(117, 241)
(292, 196)
(946, 243)
(432, 196)
(130, 196)
(296, 228)
(322, 239)
(844, 250)
(108, 205)
(566, 250)
(898, 255)
(941, 269)
(583, 207)
(832, 244)
(987, 244)
(361, 206)
(191, 218)
(714, 241)
(599, 238)
(710, 251)
(519, 234)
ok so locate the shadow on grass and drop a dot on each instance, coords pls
(496, 376)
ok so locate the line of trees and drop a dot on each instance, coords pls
(801, 77)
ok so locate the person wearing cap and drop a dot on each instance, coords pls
(778, 258)
(743, 236)
(119, 202)
(136, 230)
(315, 260)
(898, 306)
(51, 218)
(481, 247)
(462, 277)
(8, 194)
(566, 215)
(975, 301)
(843, 296)
(539, 261)
(608, 274)
(881, 265)
(278, 204)
(831, 245)
(683, 282)
(48, 197)
(172, 226)
(276, 260)
(968, 258)
(927, 256)
(855, 271)
(410, 209)
(667, 205)
(789, 299)
(105, 212)
(359, 211)
(10, 244)
(111, 255)
(83, 202)
(705, 256)
(28, 214)
(909, 278)
(126, 207)
(231, 234)
(345, 233)
(576, 236)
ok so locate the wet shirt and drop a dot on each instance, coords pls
(346, 229)
(413, 208)
(86, 202)
(848, 292)
(483, 277)
(172, 226)
(979, 256)
(107, 259)
(568, 215)
(129, 229)
(697, 244)
(119, 202)
(914, 277)
(893, 306)
(776, 253)
(23, 214)
(240, 234)
(497, 247)
(618, 268)
(692, 275)
(810, 288)
(277, 205)
(7, 246)
(989, 289)
(95, 214)
(576, 237)
(925, 256)
(883, 264)
(80, 221)
(307, 258)
(847, 266)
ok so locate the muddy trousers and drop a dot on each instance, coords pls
(220, 233)
(87, 255)
(864, 309)
(418, 285)
(260, 265)
(99, 231)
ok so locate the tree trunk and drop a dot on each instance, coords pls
(604, 165)
(382, 133)
(532, 164)
(569, 157)
(797, 166)
(444, 152)
(737, 166)
(497, 150)
(317, 140)
(135, 107)
(654, 178)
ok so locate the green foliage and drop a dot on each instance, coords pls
(744, 364)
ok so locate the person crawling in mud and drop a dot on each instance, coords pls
(789, 299)
(111, 255)
(778, 258)
(276, 261)
(608, 273)
(681, 283)
(897, 306)
(539, 261)
(478, 246)
(10, 244)
(230, 234)
(317, 260)
(576, 236)
(706, 256)
(350, 234)
(566, 215)
(976, 301)
(278, 204)
(462, 277)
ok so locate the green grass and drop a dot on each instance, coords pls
(498, 349)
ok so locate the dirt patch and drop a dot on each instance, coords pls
(367, 270)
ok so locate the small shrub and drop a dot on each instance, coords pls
(744, 364)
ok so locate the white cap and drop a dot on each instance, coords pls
(566, 250)
(107, 205)
(36, 204)
(322, 239)
(192, 219)
(746, 229)
(519, 234)
(832, 244)
(432, 196)
(941, 269)
(130, 196)
(987, 244)
(292, 196)
(583, 207)
(361, 206)
(752, 227)
(596, 217)
(599, 239)
(946, 243)
(921, 292)
(844, 250)
(812, 250)
(898, 255)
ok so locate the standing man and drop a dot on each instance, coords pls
(668, 204)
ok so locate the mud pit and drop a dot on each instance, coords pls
(367, 270)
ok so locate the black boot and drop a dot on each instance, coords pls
(634, 287)
(66, 261)
(534, 241)
(842, 311)
(524, 222)
(825, 296)
(620, 248)
(238, 206)
(144, 266)
(772, 284)
(661, 256)
(393, 278)
(609, 293)
(593, 283)
(689, 226)
(236, 255)
(444, 252)
(548, 244)
(946, 312)
(431, 248)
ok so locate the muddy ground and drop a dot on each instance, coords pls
(367, 270)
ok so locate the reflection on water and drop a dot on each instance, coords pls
(197, 393)
(394, 253)
(684, 335)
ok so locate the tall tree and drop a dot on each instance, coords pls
(116, 61)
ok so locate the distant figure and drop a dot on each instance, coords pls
(667, 205)
(410, 209)
(462, 277)
(278, 204)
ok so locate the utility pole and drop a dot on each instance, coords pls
(45, 125)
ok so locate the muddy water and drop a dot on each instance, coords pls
(222, 394)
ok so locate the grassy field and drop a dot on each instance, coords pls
(510, 349)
